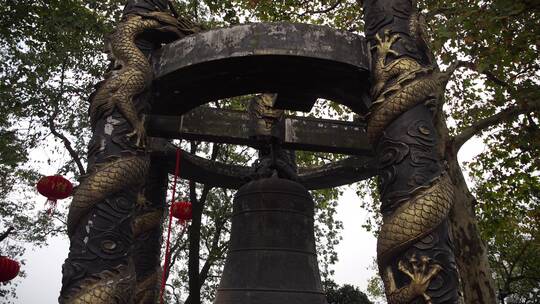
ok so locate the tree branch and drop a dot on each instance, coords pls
(6, 233)
(482, 125)
(489, 75)
(211, 254)
(67, 144)
(177, 248)
(322, 11)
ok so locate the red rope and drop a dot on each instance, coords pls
(51, 206)
(167, 248)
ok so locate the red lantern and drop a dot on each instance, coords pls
(9, 269)
(54, 187)
(182, 211)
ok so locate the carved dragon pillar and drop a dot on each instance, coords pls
(414, 250)
(100, 267)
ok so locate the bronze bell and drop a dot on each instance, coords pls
(272, 258)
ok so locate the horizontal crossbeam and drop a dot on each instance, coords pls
(233, 127)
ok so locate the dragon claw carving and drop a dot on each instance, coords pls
(384, 44)
(420, 275)
(420, 271)
(139, 132)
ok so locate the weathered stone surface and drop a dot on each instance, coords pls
(298, 61)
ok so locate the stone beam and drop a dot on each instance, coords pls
(300, 62)
(233, 127)
(343, 172)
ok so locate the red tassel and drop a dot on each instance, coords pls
(51, 206)
(168, 243)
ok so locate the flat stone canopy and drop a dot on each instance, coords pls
(300, 62)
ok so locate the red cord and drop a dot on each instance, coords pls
(167, 253)
(51, 206)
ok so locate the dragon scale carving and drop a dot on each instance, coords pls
(399, 86)
(146, 222)
(415, 218)
(107, 179)
(146, 290)
(110, 286)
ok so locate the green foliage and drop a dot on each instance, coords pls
(327, 229)
(368, 192)
(341, 14)
(499, 40)
(345, 294)
(50, 59)
(375, 288)
(508, 194)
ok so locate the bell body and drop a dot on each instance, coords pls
(272, 256)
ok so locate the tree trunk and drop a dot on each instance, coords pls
(194, 247)
(471, 252)
(477, 285)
